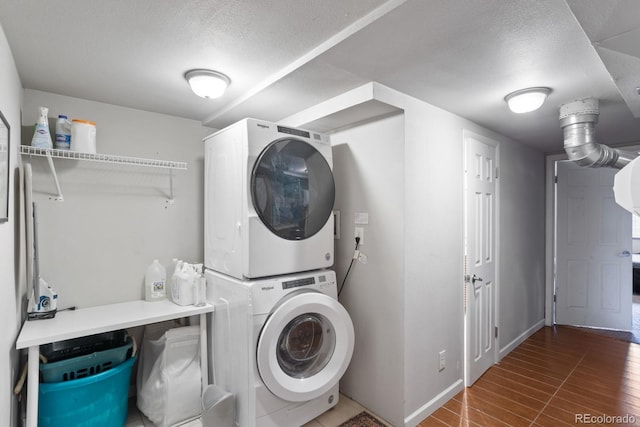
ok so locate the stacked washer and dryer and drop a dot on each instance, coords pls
(280, 340)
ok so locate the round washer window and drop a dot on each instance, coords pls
(306, 345)
(292, 189)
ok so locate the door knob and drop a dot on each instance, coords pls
(474, 279)
(624, 254)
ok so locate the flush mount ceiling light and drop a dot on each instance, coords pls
(207, 83)
(526, 100)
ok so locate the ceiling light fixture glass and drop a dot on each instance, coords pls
(526, 100)
(207, 83)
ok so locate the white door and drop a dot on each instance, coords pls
(480, 251)
(593, 250)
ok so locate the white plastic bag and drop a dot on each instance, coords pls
(169, 379)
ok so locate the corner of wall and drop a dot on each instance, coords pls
(430, 407)
(10, 267)
(520, 339)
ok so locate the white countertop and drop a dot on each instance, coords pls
(94, 320)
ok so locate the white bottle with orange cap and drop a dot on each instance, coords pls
(83, 136)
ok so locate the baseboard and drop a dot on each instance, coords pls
(435, 403)
(519, 339)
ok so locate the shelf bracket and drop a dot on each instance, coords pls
(171, 200)
(60, 196)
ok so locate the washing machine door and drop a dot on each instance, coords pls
(292, 189)
(305, 346)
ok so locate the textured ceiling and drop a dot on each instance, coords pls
(614, 29)
(135, 53)
(286, 55)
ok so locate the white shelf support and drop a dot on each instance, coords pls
(54, 153)
(171, 200)
(33, 363)
(60, 197)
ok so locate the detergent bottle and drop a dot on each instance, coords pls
(63, 132)
(41, 136)
(155, 282)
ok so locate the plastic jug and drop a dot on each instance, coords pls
(83, 136)
(185, 288)
(63, 133)
(155, 282)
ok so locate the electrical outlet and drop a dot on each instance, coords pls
(360, 234)
(441, 360)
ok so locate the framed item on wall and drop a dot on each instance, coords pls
(4, 168)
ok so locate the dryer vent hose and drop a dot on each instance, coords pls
(578, 120)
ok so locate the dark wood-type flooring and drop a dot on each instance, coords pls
(559, 376)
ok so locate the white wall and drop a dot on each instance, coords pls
(434, 254)
(434, 248)
(96, 245)
(429, 262)
(368, 166)
(11, 303)
(429, 316)
(522, 243)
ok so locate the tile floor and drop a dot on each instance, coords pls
(137, 419)
(559, 376)
(344, 410)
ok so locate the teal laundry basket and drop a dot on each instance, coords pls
(99, 400)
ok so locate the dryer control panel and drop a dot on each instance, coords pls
(299, 282)
(266, 293)
(319, 281)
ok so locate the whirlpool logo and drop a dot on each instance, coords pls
(268, 288)
(260, 125)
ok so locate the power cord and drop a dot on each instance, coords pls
(353, 258)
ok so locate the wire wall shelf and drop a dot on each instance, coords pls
(54, 153)
(103, 158)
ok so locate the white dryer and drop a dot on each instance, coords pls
(280, 345)
(269, 194)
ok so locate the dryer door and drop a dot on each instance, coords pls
(305, 346)
(292, 189)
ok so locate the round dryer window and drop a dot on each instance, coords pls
(292, 189)
(305, 346)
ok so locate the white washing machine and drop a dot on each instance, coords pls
(269, 194)
(280, 345)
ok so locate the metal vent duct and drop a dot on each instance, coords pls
(578, 120)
